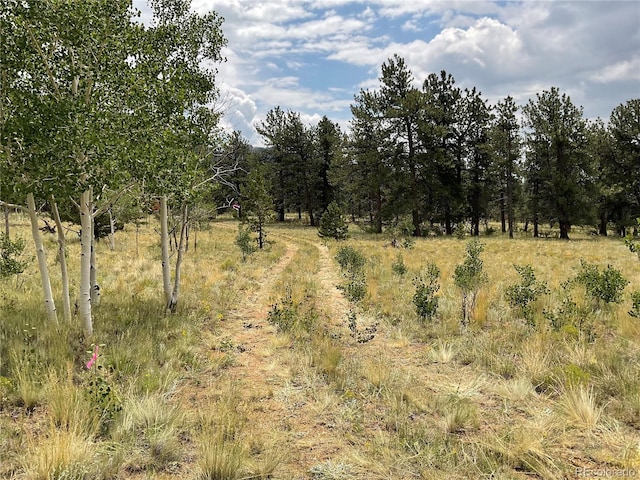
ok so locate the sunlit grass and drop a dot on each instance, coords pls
(502, 397)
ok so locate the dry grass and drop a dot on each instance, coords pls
(579, 406)
(217, 392)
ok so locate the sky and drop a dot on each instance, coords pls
(313, 56)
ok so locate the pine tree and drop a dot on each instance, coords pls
(258, 204)
(332, 225)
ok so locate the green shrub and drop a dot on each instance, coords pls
(350, 259)
(469, 277)
(103, 397)
(635, 304)
(10, 251)
(332, 224)
(355, 288)
(526, 292)
(286, 316)
(425, 299)
(398, 267)
(632, 242)
(352, 264)
(602, 286)
(245, 242)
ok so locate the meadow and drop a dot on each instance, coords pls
(268, 370)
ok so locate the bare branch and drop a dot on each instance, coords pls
(13, 205)
(227, 203)
(112, 201)
(220, 172)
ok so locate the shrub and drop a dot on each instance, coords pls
(635, 304)
(469, 277)
(425, 299)
(631, 242)
(355, 288)
(10, 251)
(287, 317)
(350, 259)
(332, 224)
(527, 291)
(101, 393)
(398, 267)
(245, 242)
(352, 263)
(602, 286)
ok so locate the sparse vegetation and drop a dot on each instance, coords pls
(270, 353)
(427, 286)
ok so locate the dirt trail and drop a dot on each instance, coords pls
(276, 408)
(329, 278)
(249, 328)
(277, 405)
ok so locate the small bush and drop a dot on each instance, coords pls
(10, 252)
(355, 288)
(602, 286)
(286, 317)
(427, 285)
(632, 242)
(352, 263)
(245, 242)
(350, 259)
(398, 267)
(103, 398)
(635, 304)
(469, 277)
(526, 292)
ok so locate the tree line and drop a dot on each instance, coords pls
(444, 159)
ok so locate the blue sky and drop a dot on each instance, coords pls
(313, 56)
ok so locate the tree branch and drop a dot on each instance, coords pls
(12, 205)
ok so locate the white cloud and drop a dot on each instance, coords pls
(239, 110)
(518, 48)
(411, 25)
(626, 70)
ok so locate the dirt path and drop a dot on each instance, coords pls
(248, 325)
(277, 407)
(329, 278)
(275, 404)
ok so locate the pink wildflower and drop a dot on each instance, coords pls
(94, 357)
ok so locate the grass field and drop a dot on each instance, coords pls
(268, 371)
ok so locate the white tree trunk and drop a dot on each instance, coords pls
(164, 241)
(112, 233)
(62, 257)
(49, 304)
(84, 301)
(95, 288)
(6, 220)
(173, 303)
